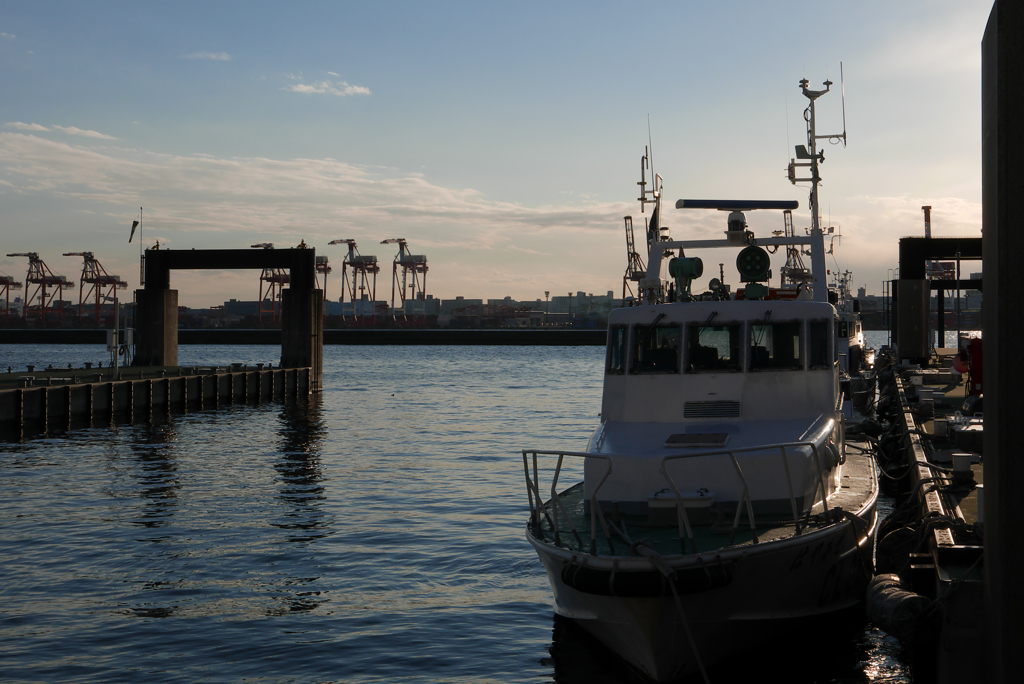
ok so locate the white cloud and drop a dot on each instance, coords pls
(7, 35)
(331, 73)
(73, 130)
(215, 56)
(205, 202)
(202, 192)
(340, 88)
(26, 127)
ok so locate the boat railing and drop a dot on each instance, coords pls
(538, 510)
(745, 502)
(556, 513)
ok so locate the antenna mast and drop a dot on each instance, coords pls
(809, 155)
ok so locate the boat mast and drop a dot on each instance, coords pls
(809, 157)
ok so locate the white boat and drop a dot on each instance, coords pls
(718, 501)
(854, 354)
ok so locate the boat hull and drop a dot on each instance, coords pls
(749, 594)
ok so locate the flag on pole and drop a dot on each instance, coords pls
(135, 224)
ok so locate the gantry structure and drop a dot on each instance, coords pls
(358, 273)
(323, 268)
(794, 272)
(272, 282)
(8, 283)
(635, 268)
(96, 285)
(413, 282)
(48, 287)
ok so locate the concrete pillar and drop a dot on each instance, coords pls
(1002, 155)
(911, 320)
(156, 327)
(302, 332)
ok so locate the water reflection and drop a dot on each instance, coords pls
(848, 650)
(152, 445)
(579, 658)
(302, 432)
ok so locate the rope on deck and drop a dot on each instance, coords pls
(643, 548)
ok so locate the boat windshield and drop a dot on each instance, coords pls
(819, 345)
(714, 348)
(617, 338)
(656, 350)
(775, 346)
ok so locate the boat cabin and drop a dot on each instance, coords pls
(735, 359)
(693, 377)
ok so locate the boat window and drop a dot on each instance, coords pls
(819, 344)
(843, 329)
(714, 348)
(656, 350)
(775, 346)
(617, 338)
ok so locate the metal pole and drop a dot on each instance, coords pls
(958, 299)
(142, 254)
(117, 331)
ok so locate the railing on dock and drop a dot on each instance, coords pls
(556, 509)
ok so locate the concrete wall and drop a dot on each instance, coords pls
(51, 406)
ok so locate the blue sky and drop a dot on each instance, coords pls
(502, 140)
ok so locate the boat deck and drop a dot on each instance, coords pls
(857, 491)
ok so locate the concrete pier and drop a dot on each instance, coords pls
(156, 311)
(60, 399)
(932, 464)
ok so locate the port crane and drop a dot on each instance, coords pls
(49, 287)
(654, 231)
(100, 284)
(272, 281)
(635, 268)
(323, 267)
(794, 272)
(8, 283)
(358, 271)
(414, 276)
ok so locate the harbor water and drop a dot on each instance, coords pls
(373, 534)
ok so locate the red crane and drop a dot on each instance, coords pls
(7, 283)
(414, 276)
(49, 287)
(98, 280)
(275, 279)
(362, 267)
(323, 266)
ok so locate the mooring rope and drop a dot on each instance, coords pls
(643, 548)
